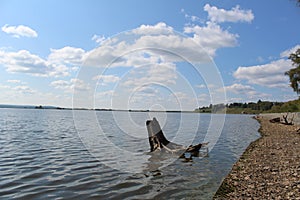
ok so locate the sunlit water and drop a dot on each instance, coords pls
(44, 156)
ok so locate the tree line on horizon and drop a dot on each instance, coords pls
(252, 107)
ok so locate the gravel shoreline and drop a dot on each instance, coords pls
(269, 168)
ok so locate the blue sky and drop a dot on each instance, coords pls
(146, 54)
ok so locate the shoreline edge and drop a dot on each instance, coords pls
(269, 166)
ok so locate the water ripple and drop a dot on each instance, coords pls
(42, 157)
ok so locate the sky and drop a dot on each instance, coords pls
(157, 55)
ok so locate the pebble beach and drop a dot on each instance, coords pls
(270, 166)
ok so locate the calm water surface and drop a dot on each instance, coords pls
(42, 155)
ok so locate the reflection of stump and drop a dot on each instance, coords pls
(156, 137)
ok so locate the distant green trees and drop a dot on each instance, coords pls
(252, 107)
(294, 73)
(260, 105)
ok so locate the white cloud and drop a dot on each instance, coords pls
(60, 62)
(151, 53)
(239, 88)
(104, 55)
(203, 98)
(24, 89)
(192, 18)
(173, 48)
(99, 39)
(67, 55)
(13, 81)
(70, 86)
(268, 75)
(28, 96)
(160, 28)
(234, 15)
(211, 37)
(19, 31)
(60, 84)
(18, 87)
(250, 92)
(288, 52)
(160, 73)
(145, 49)
(25, 62)
(161, 44)
(105, 79)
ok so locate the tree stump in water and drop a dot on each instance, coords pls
(158, 141)
(156, 137)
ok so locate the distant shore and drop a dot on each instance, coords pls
(89, 109)
(269, 168)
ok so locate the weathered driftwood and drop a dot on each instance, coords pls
(156, 137)
(275, 120)
(158, 141)
(286, 121)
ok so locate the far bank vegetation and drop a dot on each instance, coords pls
(252, 107)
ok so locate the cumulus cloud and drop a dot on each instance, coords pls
(25, 62)
(239, 88)
(160, 73)
(151, 52)
(268, 75)
(58, 63)
(141, 49)
(70, 86)
(106, 79)
(211, 37)
(203, 97)
(19, 31)
(158, 29)
(60, 84)
(234, 15)
(247, 90)
(18, 87)
(104, 55)
(173, 48)
(161, 44)
(67, 55)
(24, 89)
(288, 52)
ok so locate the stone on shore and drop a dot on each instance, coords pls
(269, 168)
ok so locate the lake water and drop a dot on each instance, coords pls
(58, 154)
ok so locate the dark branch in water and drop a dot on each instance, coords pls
(158, 141)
